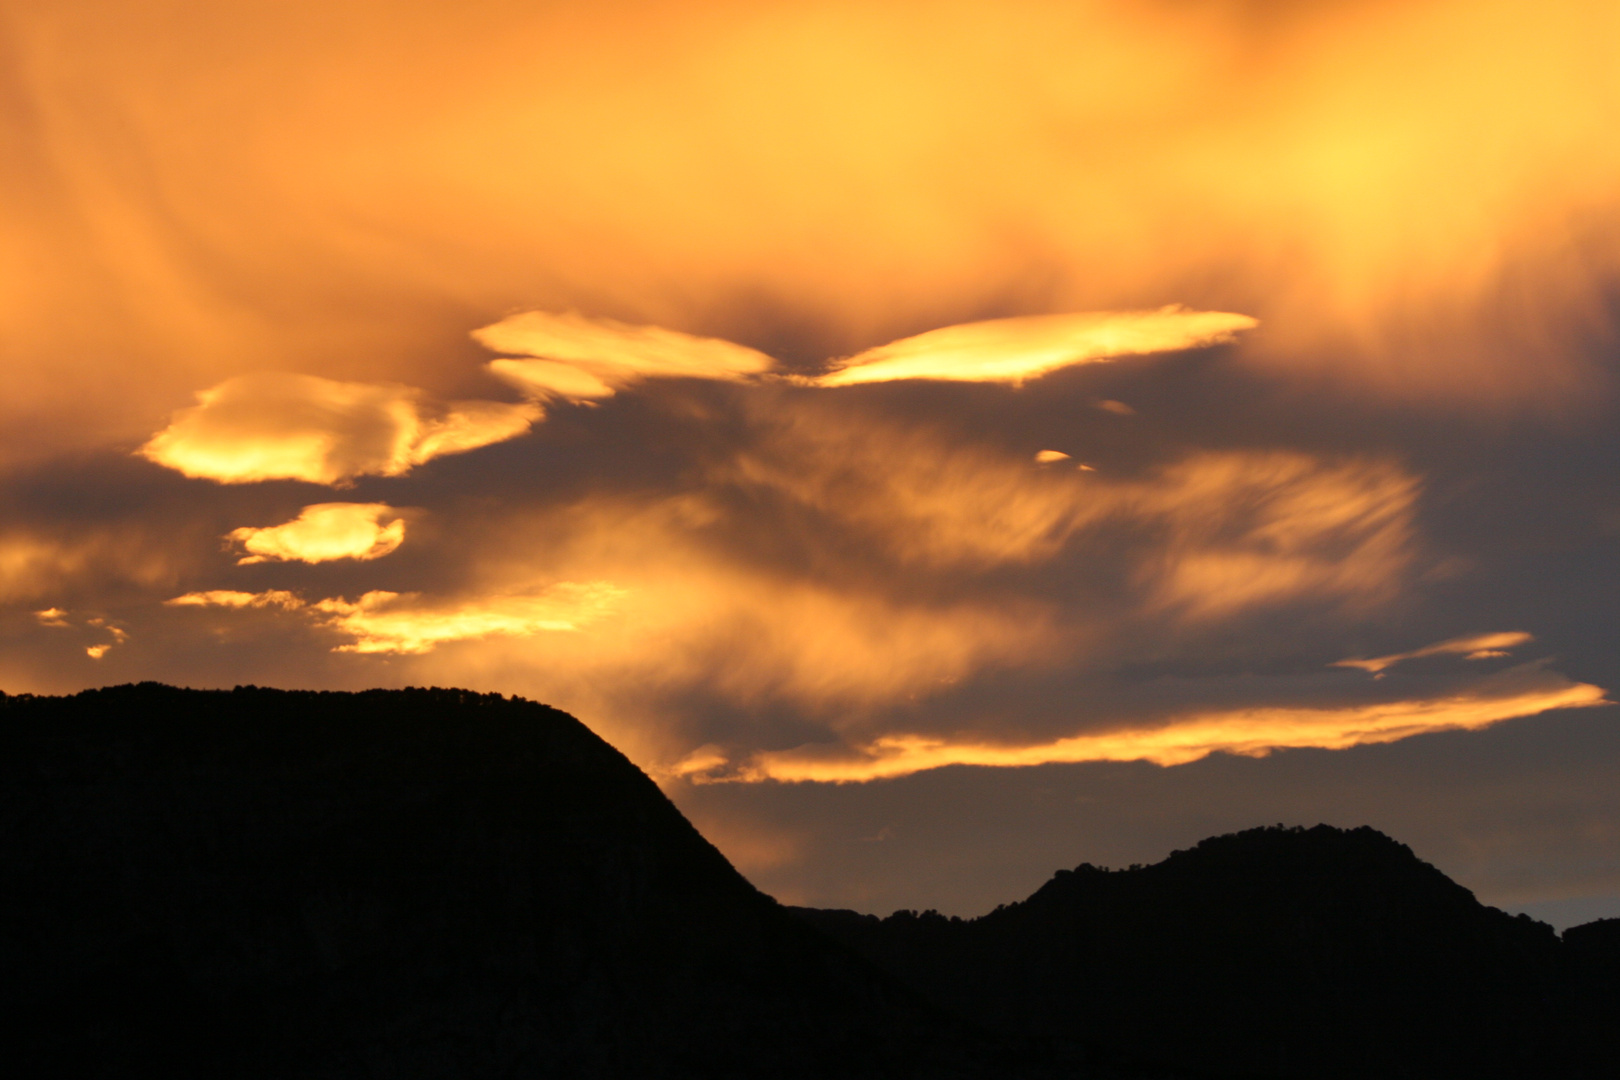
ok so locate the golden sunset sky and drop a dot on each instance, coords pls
(941, 442)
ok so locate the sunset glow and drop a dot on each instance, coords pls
(835, 392)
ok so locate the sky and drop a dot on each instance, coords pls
(939, 442)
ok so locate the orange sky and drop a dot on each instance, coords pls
(821, 391)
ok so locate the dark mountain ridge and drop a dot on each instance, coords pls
(1273, 952)
(435, 883)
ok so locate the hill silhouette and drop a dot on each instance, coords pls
(431, 883)
(435, 883)
(1283, 952)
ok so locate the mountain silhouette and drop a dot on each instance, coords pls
(412, 883)
(1284, 952)
(442, 884)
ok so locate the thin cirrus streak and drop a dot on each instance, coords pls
(324, 532)
(281, 426)
(1251, 732)
(1019, 349)
(581, 359)
(389, 622)
(1474, 647)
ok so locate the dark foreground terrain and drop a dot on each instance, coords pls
(434, 883)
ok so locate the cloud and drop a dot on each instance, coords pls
(280, 426)
(385, 622)
(35, 565)
(1423, 236)
(389, 622)
(119, 636)
(582, 359)
(1248, 529)
(232, 598)
(1475, 647)
(1216, 532)
(1019, 349)
(1253, 732)
(324, 532)
(57, 618)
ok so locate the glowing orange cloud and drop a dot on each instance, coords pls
(385, 622)
(1016, 350)
(232, 598)
(279, 426)
(324, 532)
(56, 618)
(119, 636)
(1477, 647)
(583, 359)
(1252, 732)
(388, 622)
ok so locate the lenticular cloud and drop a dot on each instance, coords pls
(280, 426)
(576, 358)
(1016, 350)
(322, 533)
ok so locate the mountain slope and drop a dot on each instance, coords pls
(431, 883)
(1272, 952)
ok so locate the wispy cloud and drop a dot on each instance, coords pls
(1474, 647)
(280, 426)
(1185, 738)
(1218, 531)
(324, 532)
(234, 598)
(389, 622)
(37, 566)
